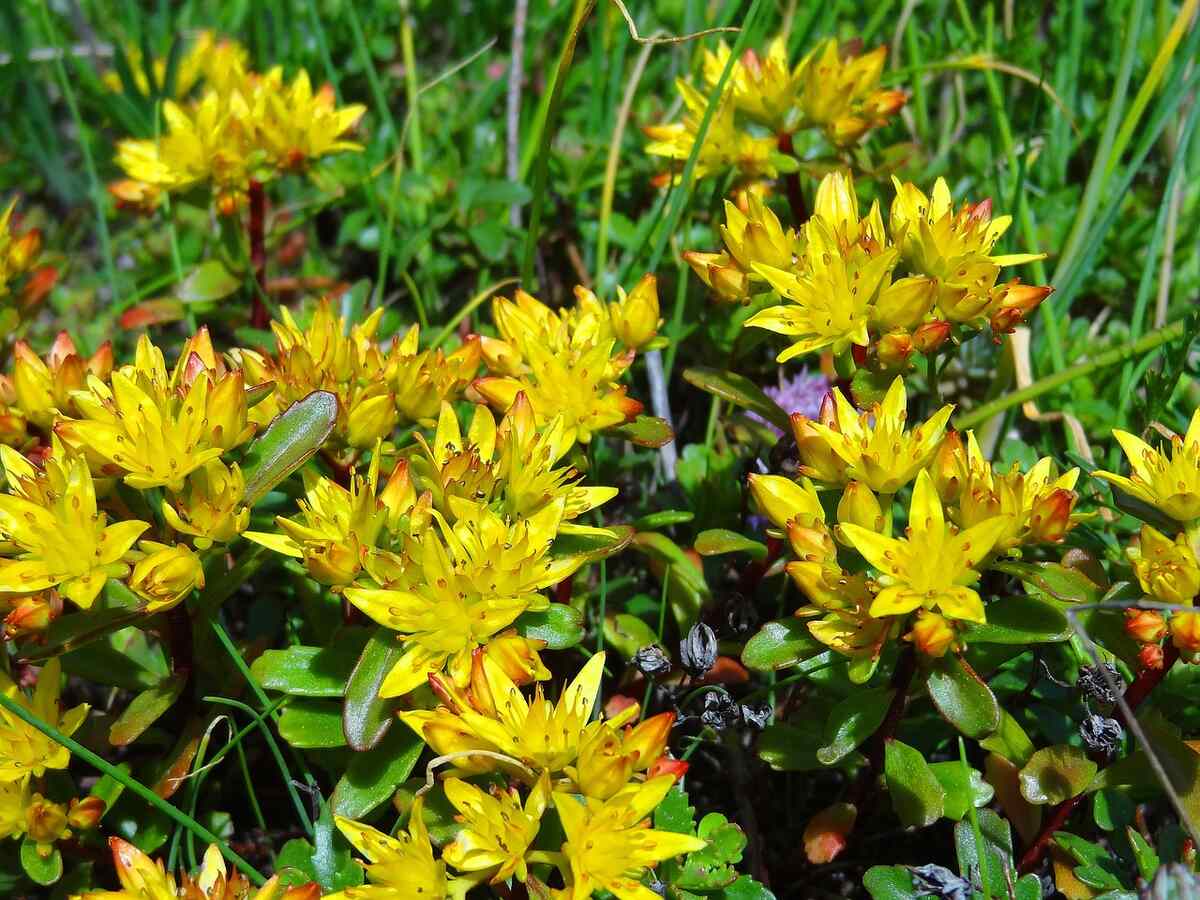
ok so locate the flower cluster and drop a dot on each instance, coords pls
(850, 282)
(1166, 558)
(208, 59)
(26, 755)
(23, 284)
(568, 362)
(831, 94)
(378, 386)
(602, 777)
(963, 515)
(243, 126)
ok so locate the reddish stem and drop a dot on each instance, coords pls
(791, 184)
(562, 590)
(860, 792)
(259, 317)
(1145, 682)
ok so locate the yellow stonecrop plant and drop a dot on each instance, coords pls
(244, 126)
(23, 284)
(832, 94)
(568, 362)
(848, 282)
(963, 515)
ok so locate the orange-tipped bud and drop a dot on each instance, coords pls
(647, 741)
(930, 336)
(1151, 657)
(45, 822)
(949, 467)
(818, 459)
(1146, 626)
(32, 615)
(931, 634)
(604, 765)
(1016, 303)
(894, 349)
(85, 814)
(666, 766)
(1050, 519)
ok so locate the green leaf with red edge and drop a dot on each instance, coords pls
(645, 431)
(918, 797)
(145, 709)
(1056, 580)
(288, 443)
(366, 717)
(780, 644)
(372, 777)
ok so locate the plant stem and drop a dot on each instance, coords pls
(121, 776)
(1043, 385)
(1134, 695)
(791, 183)
(259, 317)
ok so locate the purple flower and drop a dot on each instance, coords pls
(802, 394)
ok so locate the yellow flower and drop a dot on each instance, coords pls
(1170, 483)
(609, 755)
(400, 866)
(845, 268)
(142, 878)
(931, 634)
(751, 237)
(422, 380)
(879, 453)
(157, 429)
(1036, 504)
(339, 529)
(542, 735)
(44, 387)
(608, 845)
(839, 92)
(497, 830)
(24, 750)
(45, 823)
(764, 88)
(207, 59)
(563, 361)
(725, 145)
(297, 125)
(210, 507)
(19, 251)
(955, 248)
(1166, 569)
(54, 530)
(165, 575)
(463, 589)
(934, 565)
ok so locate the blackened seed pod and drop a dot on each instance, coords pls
(1101, 734)
(698, 650)
(742, 616)
(652, 661)
(756, 715)
(941, 882)
(720, 712)
(1093, 684)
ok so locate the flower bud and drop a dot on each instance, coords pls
(817, 458)
(1150, 657)
(698, 650)
(720, 712)
(894, 349)
(635, 317)
(517, 657)
(1050, 519)
(371, 420)
(858, 506)
(949, 467)
(165, 575)
(1016, 302)
(782, 500)
(1146, 626)
(931, 634)
(904, 303)
(603, 766)
(32, 615)
(929, 337)
(1185, 632)
(647, 740)
(664, 765)
(652, 661)
(85, 814)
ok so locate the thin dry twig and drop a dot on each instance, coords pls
(669, 39)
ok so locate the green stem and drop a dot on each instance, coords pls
(120, 776)
(410, 86)
(1101, 361)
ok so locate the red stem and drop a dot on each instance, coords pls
(259, 317)
(860, 792)
(791, 184)
(1145, 682)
